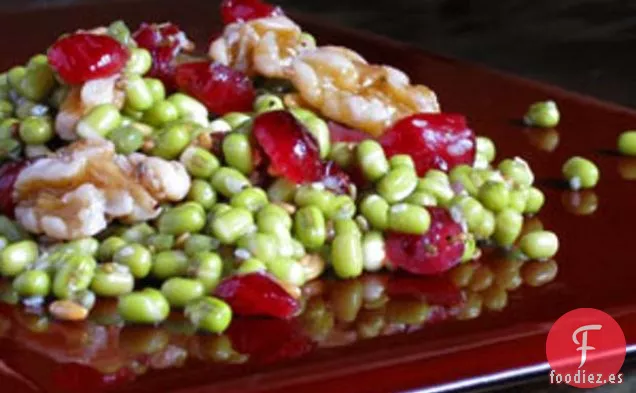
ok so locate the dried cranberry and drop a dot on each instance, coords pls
(244, 10)
(434, 140)
(438, 290)
(81, 57)
(221, 88)
(335, 179)
(164, 42)
(292, 151)
(436, 251)
(8, 175)
(341, 133)
(257, 294)
(269, 340)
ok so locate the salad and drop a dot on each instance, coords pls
(223, 184)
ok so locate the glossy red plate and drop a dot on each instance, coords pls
(443, 346)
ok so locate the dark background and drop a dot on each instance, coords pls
(583, 45)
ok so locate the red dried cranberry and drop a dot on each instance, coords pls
(8, 175)
(257, 294)
(164, 42)
(244, 10)
(335, 179)
(341, 133)
(292, 151)
(438, 290)
(436, 251)
(434, 140)
(269, 340)
(221, 88)
(81, 57)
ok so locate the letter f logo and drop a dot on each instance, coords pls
(584, 347)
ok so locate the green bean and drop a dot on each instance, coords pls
(160, 113)
(421, 198)
(441, 190)
(268, 102)
(535, 201)
(190, 108)
(157, 89)
(539, 244)
(342, 153)
(627, 143)
(494, 195)
(517, 171)
(251, 265)
(32, 283)
(373, 251)
(263, 246)
(138, 95)
(407, 218)
(147, 306)
(139, 62)
(309, 227)
(341, 207)
(169, 263)
(397, 184)
(287, 270)
(508, 224)
(312, 195)
(202, 193)
(281, 190)
(109, 247)
(182, 219)
(543, 114)
(231, 225)
(171, 141)
(229, 181)
(580, 173)
(209, 314)
(112, 280)
(401, 160)
(74, 275)
(180, 291)
(137, 257)
(237, 152)
(199, 162)
(127, 140)
(252, 199)
(347, 256)
(197, 243)
(376, 210)
(372, 160)
(99, 122)
(16, 257)
(235, 119)
(207, 267)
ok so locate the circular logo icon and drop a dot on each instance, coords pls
(585, 349)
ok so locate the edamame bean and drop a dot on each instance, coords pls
(580, 173)
(262, 246)
(209, 314)
(251, 265)
(471, 210)
(38, 81)
(171, 141)
(517, 171)
(161, 112)
(207, 268)
(298, 250)
(281, 190)
(438, 188)
(421, 198)
(180, 291)
(16, 257)
(112, 280)
(197, 243)
(318, 128)
(6, 109)
(32, 283)
(539, 244)
(494, 195)
(138, 95)
(202, 193)
(543, 114)
(137, 257)
(401, 160)
(182, 219)
(342, 207)
(237, 152)
(119, 31)
(372, 160)
(99, 122)
(190, 108)
(397, 184)
(274, 224)
(309, 227)
(486, 227)
(229, 226)
(346, 226)
(517, 199)
(9, 128)
(36, 130)
(252, 199)
(157, 89)
(342, 153)
(109, 247)
(235, 119)
(169, 263)
(287, 270)
(147, 306)
(311, 195)
(347, 256)
(199, 162)
(127, 140)
(373, 251)
(139, 62)
(486, 148)
(627, 143)
(74, 275)
(137, 233)
(229, 181)
(407, 218)
(470, 246)
(376, 210)
(535, 201)
(508, 224)
(461, 176)
(268, 102)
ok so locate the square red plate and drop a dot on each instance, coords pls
(596, 264)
